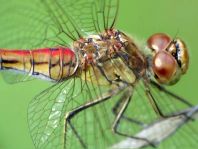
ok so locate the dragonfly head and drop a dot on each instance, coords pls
(170, 58)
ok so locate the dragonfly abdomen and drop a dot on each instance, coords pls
(52, 63)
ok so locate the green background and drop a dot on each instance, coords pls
(139, 18)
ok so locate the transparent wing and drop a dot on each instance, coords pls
(49, 23)
(93, 16)
(61, 18)
(47, 114)
(13, 77)
(109, 10)
(24, 26)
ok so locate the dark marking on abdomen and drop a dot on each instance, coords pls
(9, 61)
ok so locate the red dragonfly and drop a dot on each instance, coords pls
(105, 87)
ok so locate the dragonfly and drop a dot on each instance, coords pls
(105, 86)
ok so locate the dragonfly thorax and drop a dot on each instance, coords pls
(114, 53)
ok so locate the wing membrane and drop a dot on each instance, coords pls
(23, 25)
(45, 23)
(111, 12)
(12, 77)
(61, 18)
(48, 110)
(93, 16)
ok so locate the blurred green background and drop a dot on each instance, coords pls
(139, 18)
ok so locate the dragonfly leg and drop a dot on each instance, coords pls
(154, 104)
(126, 98)
(81, 108)
(161, 88)
(176, 97)
(119, 105)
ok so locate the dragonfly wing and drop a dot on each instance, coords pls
(61, 19)
(109, 10)
(93, 16)
(47, 114)
(49, 23)
(28, 27)
(12, 77)
(41, 23)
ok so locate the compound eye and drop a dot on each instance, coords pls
(164, 66)
(170, 58)
(158, 42)
(182, 55)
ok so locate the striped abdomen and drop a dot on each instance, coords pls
(53, 63)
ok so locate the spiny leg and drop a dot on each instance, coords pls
(119, 105)
(176, 97)
(126, 98)
(81, 108)
(154, 103)
(171, 94)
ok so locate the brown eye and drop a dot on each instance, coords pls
(182, 55)
(158, 41)
(164, 66)
(180, 52)
(170, 58)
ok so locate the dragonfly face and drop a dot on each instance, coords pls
(170, 58)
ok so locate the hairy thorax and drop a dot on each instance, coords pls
(110, 56)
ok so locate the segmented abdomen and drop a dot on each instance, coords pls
(53, 63)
